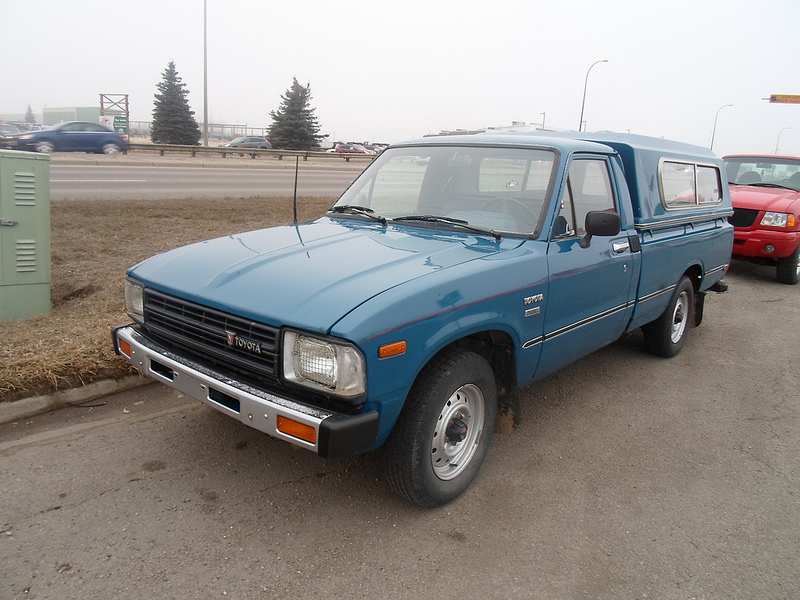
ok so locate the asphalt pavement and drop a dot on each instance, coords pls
(627, 476)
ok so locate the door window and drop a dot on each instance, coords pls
(588, 188)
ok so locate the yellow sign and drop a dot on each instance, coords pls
(785, 98)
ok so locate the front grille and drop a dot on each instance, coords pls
(743, 217)
(212, 334)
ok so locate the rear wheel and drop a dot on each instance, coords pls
(110, 148)
(789, 268)
(443, 434)
(667, 335)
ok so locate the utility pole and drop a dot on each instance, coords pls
(205, 72)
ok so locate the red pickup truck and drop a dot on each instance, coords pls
(765, 191)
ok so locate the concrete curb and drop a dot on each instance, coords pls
(28, 407)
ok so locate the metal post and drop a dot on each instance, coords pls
(714, 130)
(205, 72)
(585, 84)
(778, 141)
(296, 170)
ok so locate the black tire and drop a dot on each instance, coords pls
(45, 147)
(789, 268)
(456, 392)
(667, 335)
(110, 148)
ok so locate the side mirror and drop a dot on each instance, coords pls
(602, 223)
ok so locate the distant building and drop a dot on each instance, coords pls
(54, 116)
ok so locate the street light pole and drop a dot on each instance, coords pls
(585, 84)
(714, 130)
(778, 141)
(205, 72)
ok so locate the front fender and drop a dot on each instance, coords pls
(430, 315)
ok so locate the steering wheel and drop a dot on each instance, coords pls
(524, 213)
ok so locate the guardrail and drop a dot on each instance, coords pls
(162, 149)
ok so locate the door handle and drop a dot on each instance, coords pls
(620, 246)
(8, 223)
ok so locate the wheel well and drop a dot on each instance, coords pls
(497, 348)
(695, 275)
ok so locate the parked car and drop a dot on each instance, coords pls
(73, 136)
(248, 142)
(765, 191)
(352, 149)
(8, 129)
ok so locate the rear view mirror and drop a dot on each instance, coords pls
(602, 223)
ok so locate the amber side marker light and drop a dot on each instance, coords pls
(391, 349)
(296, 429)
(125, 348)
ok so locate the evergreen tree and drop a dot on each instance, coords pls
(173, 120)
(29, 116)
(294, 126)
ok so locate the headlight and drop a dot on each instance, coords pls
(25, 137)
(323, 364)
(774, 219)
(134, 300)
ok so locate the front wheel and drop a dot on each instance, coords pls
(443, 434)
(789, 268)
(45, 146)
(667, 335)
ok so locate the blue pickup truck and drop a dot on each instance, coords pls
(452, 272)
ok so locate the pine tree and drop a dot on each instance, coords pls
(29, 116)
(294, 126)
(173, 120)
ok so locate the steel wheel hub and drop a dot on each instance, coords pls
(679, 317)
(458, 431)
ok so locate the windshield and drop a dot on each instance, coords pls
(764, 170)
(497, 189)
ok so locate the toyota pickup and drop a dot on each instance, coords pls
(450, 274)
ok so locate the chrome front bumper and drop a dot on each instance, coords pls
(333, 435)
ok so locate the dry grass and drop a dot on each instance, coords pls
(93, 243)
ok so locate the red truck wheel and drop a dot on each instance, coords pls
(789, 268)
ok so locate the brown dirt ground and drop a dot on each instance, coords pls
(93, 243)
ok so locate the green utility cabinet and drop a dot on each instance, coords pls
(24, 235)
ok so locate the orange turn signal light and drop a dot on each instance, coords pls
(125, 348)
(391, 349)
(297, 429)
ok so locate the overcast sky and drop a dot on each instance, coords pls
(392, 70)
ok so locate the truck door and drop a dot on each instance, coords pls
(590, 294)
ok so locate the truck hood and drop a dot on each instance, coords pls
(308, 275)
(765, 198)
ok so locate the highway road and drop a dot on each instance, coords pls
(153, 178)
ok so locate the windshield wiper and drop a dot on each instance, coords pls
(765, 184)
(450, 221)
(775, 185)
(364, 211)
